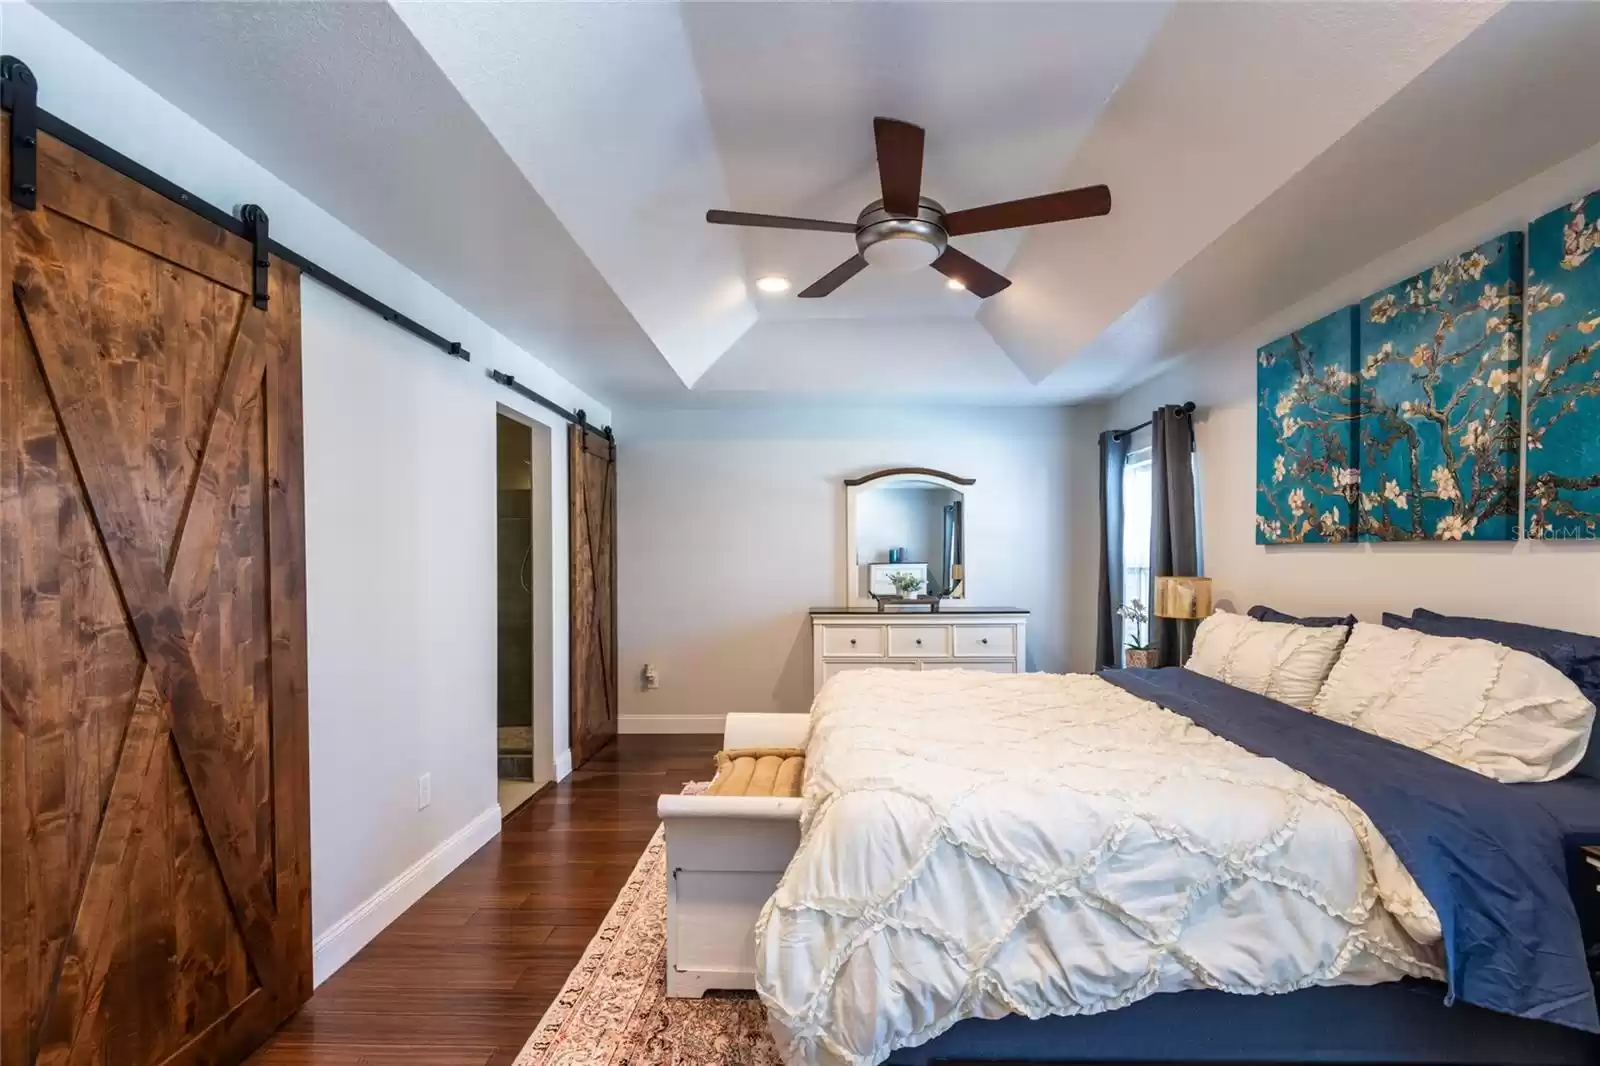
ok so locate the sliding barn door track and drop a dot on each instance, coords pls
(19, 92)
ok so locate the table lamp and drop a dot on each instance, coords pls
(1184, 599)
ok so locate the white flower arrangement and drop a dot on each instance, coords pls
(1135, 613)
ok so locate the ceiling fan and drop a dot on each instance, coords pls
(906, 230)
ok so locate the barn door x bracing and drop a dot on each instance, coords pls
(592, 493)
(154, 884)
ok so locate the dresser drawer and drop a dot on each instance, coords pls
(987, 642)
(848, 642)
(918, 642)
(829, 669)
(1001, 666)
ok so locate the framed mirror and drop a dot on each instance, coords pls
(905, 534)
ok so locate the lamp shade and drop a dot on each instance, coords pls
(1183, 597)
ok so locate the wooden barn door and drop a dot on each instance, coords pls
(154, 883)
(592, 492)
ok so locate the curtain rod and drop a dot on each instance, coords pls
(18, 95)
(1186, 408)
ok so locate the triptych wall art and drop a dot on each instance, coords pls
(1563, 380)
(1401, 418)
(1306, 433)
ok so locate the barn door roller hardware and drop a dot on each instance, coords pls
(577, 418)
(19, 95)
(255, 224)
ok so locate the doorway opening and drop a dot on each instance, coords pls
(523, 760)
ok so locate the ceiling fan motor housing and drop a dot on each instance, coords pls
(900, 244)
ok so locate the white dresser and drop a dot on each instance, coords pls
(992, 638)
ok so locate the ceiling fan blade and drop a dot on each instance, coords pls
(1086, 202)
(978, 279)
(899, 164)
(834, 278)
(745, 218)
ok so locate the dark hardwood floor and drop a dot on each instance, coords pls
(462, 978)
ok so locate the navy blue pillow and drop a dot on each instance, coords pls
(1574, 654)
(1266, 614)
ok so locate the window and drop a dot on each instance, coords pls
(1136, 500)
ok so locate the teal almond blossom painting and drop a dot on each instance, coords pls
(1563, 380)
(1306, 469)
(1440, 399)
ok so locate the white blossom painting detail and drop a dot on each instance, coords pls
(1440, 399)
(1306, 422)
(1563, 379)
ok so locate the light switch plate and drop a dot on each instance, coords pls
(424, 791)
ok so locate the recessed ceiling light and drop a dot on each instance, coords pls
(956, 284)
(772, 283)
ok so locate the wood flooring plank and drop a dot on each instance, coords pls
(462, 977)
(389, 1055)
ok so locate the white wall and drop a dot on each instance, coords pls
(400, 505)
(1556, 584)
(731, 524)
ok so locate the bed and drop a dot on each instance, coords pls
(1374, 929)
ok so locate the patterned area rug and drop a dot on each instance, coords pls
(614, 1010)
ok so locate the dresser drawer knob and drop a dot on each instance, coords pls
(852, 642)
(985, 640)
(919, 642)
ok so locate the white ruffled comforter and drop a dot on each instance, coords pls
(976, 845)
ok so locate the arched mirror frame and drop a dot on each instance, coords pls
(850, 584)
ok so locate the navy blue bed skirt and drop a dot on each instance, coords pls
(1402, 1022)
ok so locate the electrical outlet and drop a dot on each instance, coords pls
(424, 791)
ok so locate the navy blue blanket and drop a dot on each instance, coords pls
(1488, 857)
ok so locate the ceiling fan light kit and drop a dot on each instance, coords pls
(898, 244)
(906, 231)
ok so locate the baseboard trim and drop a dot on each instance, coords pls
(355, 930)
(671, 723)
(563, 764)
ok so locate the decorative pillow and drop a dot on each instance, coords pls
(1574, 654)
(1284, 662)
(1262, 613)
(1490, 708)
(759, 772)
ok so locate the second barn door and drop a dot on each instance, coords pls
(592, 491)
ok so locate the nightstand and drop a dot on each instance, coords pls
(1586, 893)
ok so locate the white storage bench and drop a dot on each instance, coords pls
(725, 855)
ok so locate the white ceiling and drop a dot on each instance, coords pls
(549, 165)
(340, 101)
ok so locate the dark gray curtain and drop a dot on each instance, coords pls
(1173, 550)
(1108, 642)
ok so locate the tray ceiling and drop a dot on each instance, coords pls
(549, 165)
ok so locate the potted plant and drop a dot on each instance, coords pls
(905, 583)
(1139, 653)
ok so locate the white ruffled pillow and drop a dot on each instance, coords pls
(1504, 713)
(1278, 660)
